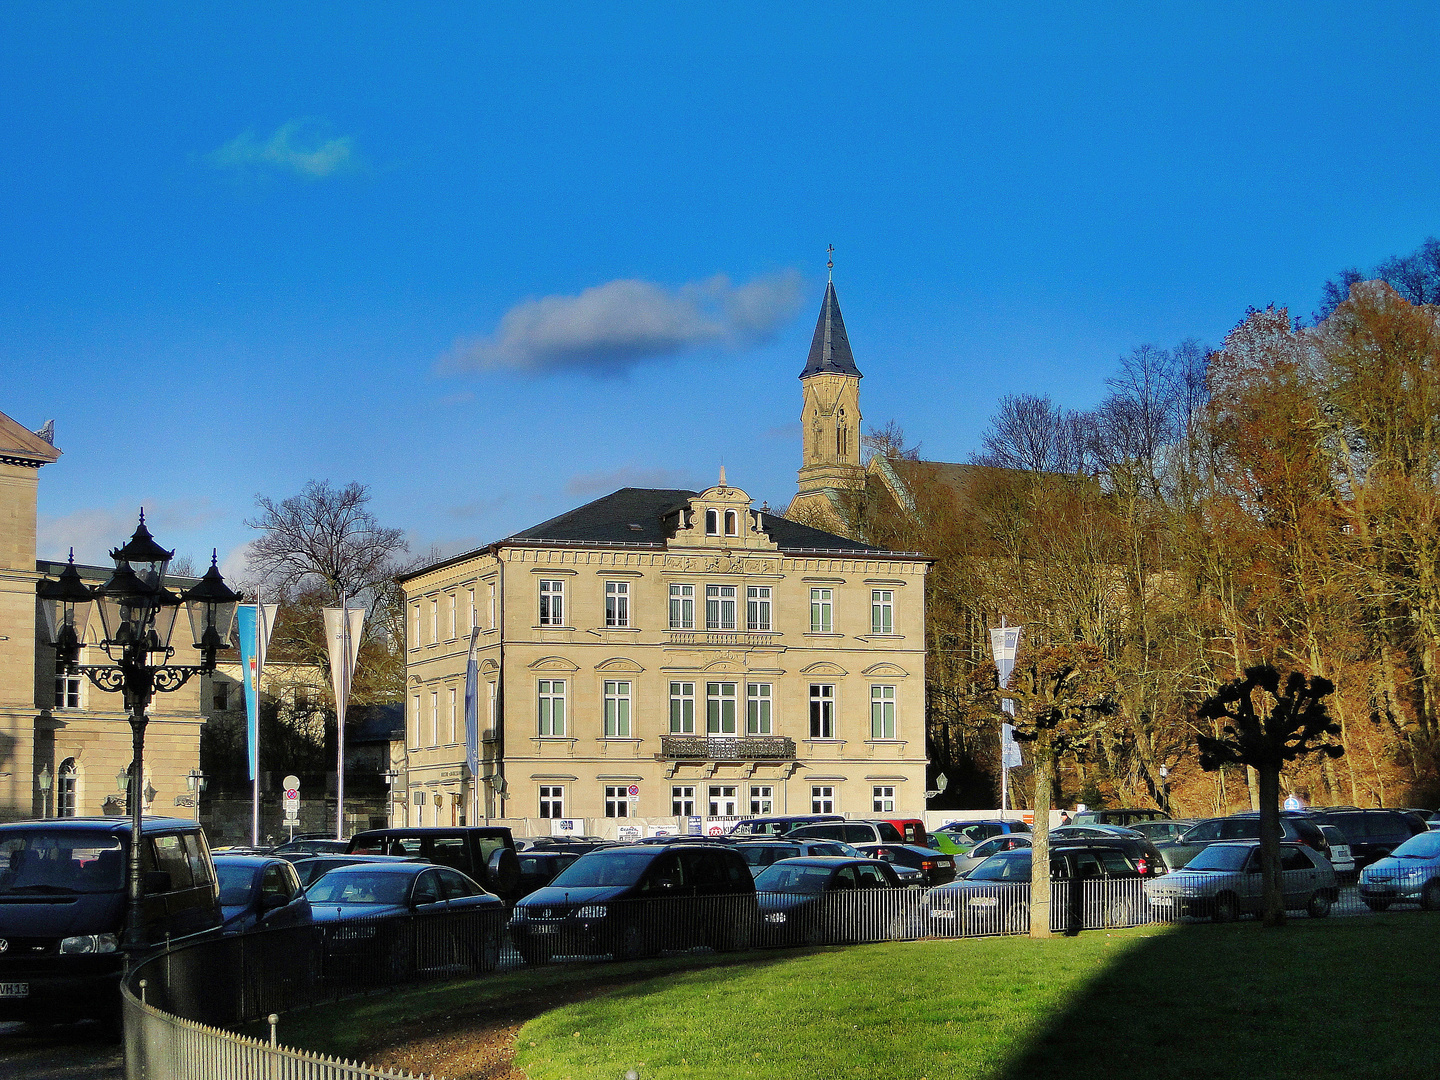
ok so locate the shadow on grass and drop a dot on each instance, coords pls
(1319, 999)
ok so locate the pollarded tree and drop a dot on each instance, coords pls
(1266, 726)
(1064, 701)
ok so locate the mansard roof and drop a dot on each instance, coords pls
(830, 348)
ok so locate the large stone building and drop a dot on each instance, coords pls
(658, 656)
(63, 743)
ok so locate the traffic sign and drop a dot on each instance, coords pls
(634, 789)
(291, 781)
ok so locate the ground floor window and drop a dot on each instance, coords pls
(67, 688)
(552, 801)
(723, 800)
(682, 801)
(617, 800)
(762, 799)
(884, 798)
(822, 799)
(65, 789)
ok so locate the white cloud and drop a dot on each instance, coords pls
(606, 482)
(299, 146)
(609, 328)
(95, 531)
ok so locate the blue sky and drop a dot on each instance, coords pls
(496, 260)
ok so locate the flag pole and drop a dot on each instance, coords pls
(255, 749)
(340, 706)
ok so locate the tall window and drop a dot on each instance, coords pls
(434, 718)
(822, 799)
(454, 719)
(617, 603)
(415, 722)
(415, 626)
(719, 607)
(434, 619)
(617, 800)
(682, 801)
(552, 603)
(762, 799)
(732, 523)
(67, 688)
(822, 611)
(712, 522)
(822, 711)
(682, 607)
(720, 708)
(883, 797)
(882, 611)
(65, 789)
(552, 707)
(723, 802)
(617, 710)
(757, 608)
(454, 616)
(882, 712)
(552, 801)
(220, 696)
(470, 602)
(492, 605)
(757, 709)
(682, 708)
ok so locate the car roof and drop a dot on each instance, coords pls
(252, 861)
(117, 825)
(397, 867)
(829, 860)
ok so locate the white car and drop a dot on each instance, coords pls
(983, 850)
(1341, 857)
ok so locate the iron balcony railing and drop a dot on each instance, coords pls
(741, 638)
(726, 748)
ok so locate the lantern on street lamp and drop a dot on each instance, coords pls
(65, 605)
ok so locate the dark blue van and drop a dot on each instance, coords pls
(62, 908)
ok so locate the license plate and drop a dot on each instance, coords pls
(14, 990)
(1161, 901)
(544, 929)
(941, 914)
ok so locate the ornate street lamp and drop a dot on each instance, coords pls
(138, 616)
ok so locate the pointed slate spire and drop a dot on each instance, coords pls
(830, 348)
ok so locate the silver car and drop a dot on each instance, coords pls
(1410, 874)
(1223, 882)
(983, 850)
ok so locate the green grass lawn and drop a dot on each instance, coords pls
(1340, 998)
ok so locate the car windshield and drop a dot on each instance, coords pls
(793, 878)
(1007, 866)
(1424, 846)
(1220, 857)
(235, 883)
(36, 861)
(601, 868)
(763, 856)
(359, 888)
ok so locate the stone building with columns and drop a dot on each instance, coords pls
(63, 742)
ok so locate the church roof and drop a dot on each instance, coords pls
(24, 446)
(830, 348)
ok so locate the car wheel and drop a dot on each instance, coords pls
(730, 939)
(533, 954)
(1227, 907)
(631, 944)
(1430, 895)
(1376, 905)
(487, 957)
(1319, 905)
(1120, 913)
(1017, 919)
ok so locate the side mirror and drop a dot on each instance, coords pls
(273, 902)
(157, 881)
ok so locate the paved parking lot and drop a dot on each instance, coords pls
(66, 1052)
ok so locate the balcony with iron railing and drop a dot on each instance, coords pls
(732, 638)
(726, 748)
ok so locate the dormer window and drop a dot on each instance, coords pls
(712, 522)
(732, 523)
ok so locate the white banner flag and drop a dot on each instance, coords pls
(1004, 643)
(1009, 748)
(342, 667)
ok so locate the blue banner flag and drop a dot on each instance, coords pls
(472, 709)
(245, 627)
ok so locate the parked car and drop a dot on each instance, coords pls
(310, 870)
(1124, 816)
(62, 908)
(306, 849)
(540, 866)
(1340, 856)
(636, 901)
(849, 832)
(1092, 832)
(812, 900)
(933, 867)
(1163, 830)
(259, 892)
(912, 829)
(1373, 834)
(759, 854)
(958, 837)
(1408, 875)
(1433, 821)
(484, 853)
(994, 898)
(1223, 882)
(399, 917)
(983, 850)
(778, 826)
(1296, 828)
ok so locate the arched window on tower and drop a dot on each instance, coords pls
(842, 435)
(712, 522)
(65, 789)
(732, 523)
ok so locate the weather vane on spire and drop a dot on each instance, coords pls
(830, 262)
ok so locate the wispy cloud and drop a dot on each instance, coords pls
(628, 476)
(608, 329)
(783, 432)
(95, 531)
(301, 146)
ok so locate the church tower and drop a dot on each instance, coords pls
(829, 421)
